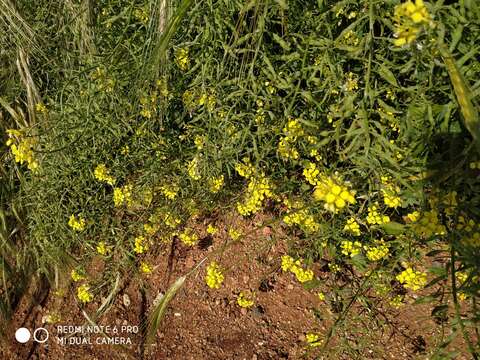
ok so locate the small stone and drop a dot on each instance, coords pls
(126, 300)
(243, 311)
(290, 287)
(267, 231)
(177, 314)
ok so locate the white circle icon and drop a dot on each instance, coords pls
(22, 335)
(36, 336)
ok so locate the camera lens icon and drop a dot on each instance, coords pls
(41, 335)
(23, 335)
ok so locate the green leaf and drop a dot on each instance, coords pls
(393, 228)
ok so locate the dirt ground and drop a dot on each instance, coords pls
(202, 323)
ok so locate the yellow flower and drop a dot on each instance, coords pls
(145, 268)
(334, 193)
(302, 218)
(295, 267)
(311, 173)
(234, 234)
(258, 189)
(188, 237)
(170, 191)
(215, 183)
(409, 18)
(214, 277)
(350, 248)
(193, 170)
(77, 225)
(321, 296)
(41, 108)
(182, 59)
(413, 216)
(76, 276)
(22, 148)
(374, 217)
(212, 230)
(412, 279)
(429, 225)
(139, 245)
(84, 294)
(102, 249)
(313, 340)
(103, 174)
(378, 252)
(245, 169)
(287, 262)
(244, 301)
(352, 227)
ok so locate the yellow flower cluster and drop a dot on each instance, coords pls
(169, 190)
(474, 165)
(193, 170)
(313, 340)
(377, 252)
(145, 268)
(311, 173)
(412, 279)
(141, 15)
(76, 276)
(409, 18)
(211, 229)
(148, 104)
(463, 224)
(413, 216)
(102, 248)
(295, 267)
(123, 195)
(352, 227)
(350, 38)
(302, 218)
(396, 301)
(188, 237)
(84, 294)
(286, 145)
(351, 248)
(77, 225)
(214, 277)
(244, 300)
(245, 168)
(234, 234)
(140, 246)
(103, 81)
(41, 108)
(196, 97)
(216, 183)
(258, 189)
(22, 149)
(429, 225)
(374, 217)
(390, 193)
(171, 220)
(351, 83)
(182, 59)
(334, 193)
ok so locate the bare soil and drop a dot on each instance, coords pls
(202, 323)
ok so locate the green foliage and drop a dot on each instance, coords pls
(177, 95)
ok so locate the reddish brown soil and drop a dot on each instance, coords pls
(202, 323)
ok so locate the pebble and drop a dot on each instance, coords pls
(177, 314)
(126, 300)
